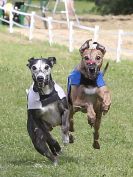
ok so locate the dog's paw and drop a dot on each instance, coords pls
(96, 145)
(55, 162)
(105, 112)
(91, 121)
(60, 152)
(65, 139)
(105, 109)
(71, 138)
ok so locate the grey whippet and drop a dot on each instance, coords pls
(47, 108)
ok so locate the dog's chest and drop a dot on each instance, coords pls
(90, 94)
(51, 114)
(48, 112)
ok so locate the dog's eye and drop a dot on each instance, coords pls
(98, 57)
(34, 68)
(47, 67)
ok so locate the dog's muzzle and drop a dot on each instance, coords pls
(92, 69)
(41, 81)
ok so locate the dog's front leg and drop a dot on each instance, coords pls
(90, 110)
(91, 114)
(81, 104)
(105, 95)
(41, 138)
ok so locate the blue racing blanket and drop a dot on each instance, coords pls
(77, 78)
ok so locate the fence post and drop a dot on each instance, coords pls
(71, 33)
(32, 20)
(50, 30)
(96, 33)
(1, 15)
(118, 55)
(11, 21)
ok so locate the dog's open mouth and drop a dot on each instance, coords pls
(92, 70)
(40, 84)
(92, 73)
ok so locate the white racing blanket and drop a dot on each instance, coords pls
(34, 98)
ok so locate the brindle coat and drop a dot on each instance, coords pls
(87, 98)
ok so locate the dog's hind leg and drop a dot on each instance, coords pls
(71, 124)
(71, 127)
(65, 127)
(39, 140)
(63, 107)
(96, 144)
(66, 136)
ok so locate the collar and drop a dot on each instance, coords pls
(85, 81)
(47, 98)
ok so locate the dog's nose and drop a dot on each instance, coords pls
(90, 62)
(40, 78)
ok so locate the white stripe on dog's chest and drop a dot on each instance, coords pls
(47, 108)
(90, 90)
(49, 112)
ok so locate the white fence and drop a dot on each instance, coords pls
(121, 33)
(71, 31)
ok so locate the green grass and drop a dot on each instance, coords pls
(81, 7)
(85, 7)
(18, 158)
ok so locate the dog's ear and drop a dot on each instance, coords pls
(52, 60)
(100, 47)
(85, 46)
(30, 60)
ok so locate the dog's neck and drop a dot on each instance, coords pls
(48, 89)
(84, 80)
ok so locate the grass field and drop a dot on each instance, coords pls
(81, 7)
(18, 158)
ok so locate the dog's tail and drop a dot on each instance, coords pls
(106, 67)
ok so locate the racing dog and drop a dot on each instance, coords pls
(47, 108)
(87, 91)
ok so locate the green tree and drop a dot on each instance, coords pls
(115, 7)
